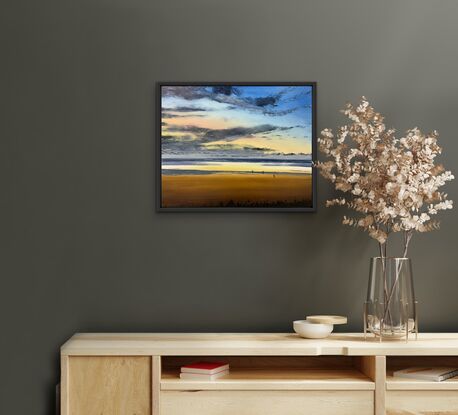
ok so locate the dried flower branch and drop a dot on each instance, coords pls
(392, 183)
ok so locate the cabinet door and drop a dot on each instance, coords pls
(109, 385)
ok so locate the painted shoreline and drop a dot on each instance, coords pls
(237, 190)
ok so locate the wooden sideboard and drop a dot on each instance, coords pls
(271, 374)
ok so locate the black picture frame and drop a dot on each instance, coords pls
(161, 209)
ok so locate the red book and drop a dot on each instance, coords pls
(205, 368)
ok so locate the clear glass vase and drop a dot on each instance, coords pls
(391, 309)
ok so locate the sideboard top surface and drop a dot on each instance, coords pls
(246, 344)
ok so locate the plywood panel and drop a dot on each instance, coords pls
(259, 344)
(267, 402)
(274, 379)
(374, 367)
(102, 385)
(380, 384)
(422, 403)
(64, 409)
(156, 384)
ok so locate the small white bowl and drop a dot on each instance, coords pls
(312, 330)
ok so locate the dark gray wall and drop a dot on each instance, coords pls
(84, 250)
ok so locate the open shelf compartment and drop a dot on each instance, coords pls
(273, 373)
(394, 363)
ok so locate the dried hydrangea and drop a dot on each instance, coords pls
(392, 183)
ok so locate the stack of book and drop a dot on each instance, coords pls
(434, 374)
(204, 370)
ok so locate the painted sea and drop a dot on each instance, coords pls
(174, 166)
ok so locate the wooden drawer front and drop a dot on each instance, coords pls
(267, 402)
(422, 402)
(109, 385)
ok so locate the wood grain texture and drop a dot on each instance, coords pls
(156, 384)
(275, 379)
(374, 367)
(64, 363)
(366, 365)
(239, 344)
(327, 319)
(380, 385)
(422, 403)
(267, 402)
(109, 385)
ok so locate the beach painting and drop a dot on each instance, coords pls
(236, 146)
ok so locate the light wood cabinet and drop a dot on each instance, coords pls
(275, 374)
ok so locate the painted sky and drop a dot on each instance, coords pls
(200, 122)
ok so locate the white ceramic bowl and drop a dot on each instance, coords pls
(312, 330)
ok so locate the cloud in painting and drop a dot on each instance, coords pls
(231, 95)
(236, 132)
(184, 144)
(183, 112)
(200, 140)
(226, 90)
(187, 129)
(166, 114)
(239, 149)
(235, 122)
(173, 147)
(206, 135)
(185, 109)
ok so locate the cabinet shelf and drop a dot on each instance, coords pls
(404, 384)
(274, 379)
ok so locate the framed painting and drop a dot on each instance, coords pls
(236, 147)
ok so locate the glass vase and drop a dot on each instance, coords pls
(390, 310)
